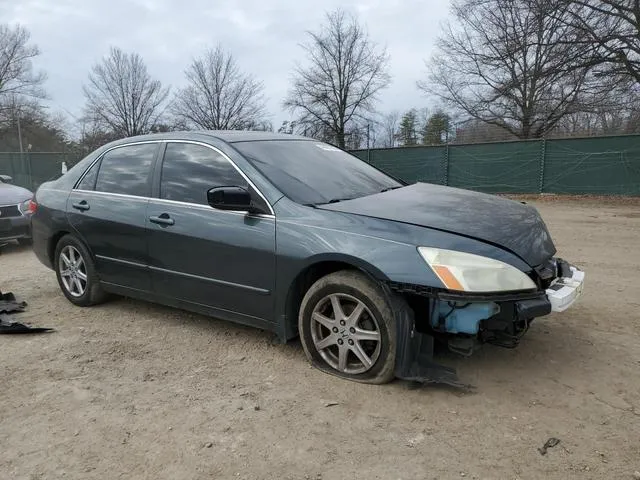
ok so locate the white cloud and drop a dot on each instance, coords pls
(263, 34)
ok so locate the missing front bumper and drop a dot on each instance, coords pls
(503, 326)
(414, 357)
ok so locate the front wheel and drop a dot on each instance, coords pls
(348, 329)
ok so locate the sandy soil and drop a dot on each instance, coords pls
(133, 390)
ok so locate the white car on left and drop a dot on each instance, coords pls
(15, 212)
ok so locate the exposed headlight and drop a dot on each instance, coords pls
(24, 207)
(473, 273)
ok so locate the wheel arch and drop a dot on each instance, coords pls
(53, 243)
(55, 239)
(316, 268)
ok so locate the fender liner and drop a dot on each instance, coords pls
(414, 351)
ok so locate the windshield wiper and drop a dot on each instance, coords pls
(389, 188)
(336, 200)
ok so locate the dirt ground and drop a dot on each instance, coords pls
(133, 390)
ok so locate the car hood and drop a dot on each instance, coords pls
(12, 194)
(511, 225)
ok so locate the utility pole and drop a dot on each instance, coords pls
(368, 150)
(19, 134)
(22, 161)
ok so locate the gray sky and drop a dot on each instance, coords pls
(264, 35)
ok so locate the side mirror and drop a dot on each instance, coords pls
(230, 198)
(6, 179)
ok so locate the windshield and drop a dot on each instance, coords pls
(311, 173)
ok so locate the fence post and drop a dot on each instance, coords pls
(30, 171)
(446, 166)
(542, 160)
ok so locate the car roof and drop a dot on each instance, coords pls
(232, 136)
(228, 136)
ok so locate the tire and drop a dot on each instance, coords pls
(325, 337)
(70, 248)
(25, 242)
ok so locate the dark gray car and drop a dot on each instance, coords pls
(296, 236)
(14, 212)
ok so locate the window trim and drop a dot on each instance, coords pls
(160, 160)
(86, 172)
(99, 159)
(223, 155)
(152, 166)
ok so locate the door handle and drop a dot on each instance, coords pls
(163, 219)
(82, 205)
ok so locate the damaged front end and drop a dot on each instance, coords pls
(464, 322)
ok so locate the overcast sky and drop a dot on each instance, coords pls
(264, 35)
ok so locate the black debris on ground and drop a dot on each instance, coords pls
(552, 442)
(9, 305)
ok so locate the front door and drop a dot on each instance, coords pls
(108, 210)
(217, 259)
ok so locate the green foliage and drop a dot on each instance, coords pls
(436, 131)
(408, 130)
(39, 133)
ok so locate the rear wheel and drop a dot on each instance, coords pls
(76, 273)
(348, 329)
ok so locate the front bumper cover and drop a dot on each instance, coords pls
(12, 228)
(565, 290)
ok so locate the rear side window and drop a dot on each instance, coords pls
(126, 170)
(190, 170)
(88, 182)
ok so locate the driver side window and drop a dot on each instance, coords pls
(190, 170)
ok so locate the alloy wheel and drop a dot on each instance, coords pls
(73, 271)
(345, 333)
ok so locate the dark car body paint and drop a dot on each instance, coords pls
(223, 260)
(114, 228)
(509, 224)
(242, 267)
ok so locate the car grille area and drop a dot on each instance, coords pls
(9, 211)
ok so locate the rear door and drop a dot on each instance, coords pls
(219, 259)
(108, 209)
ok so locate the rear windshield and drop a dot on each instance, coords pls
(313, 173)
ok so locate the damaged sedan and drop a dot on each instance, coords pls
(298, 237)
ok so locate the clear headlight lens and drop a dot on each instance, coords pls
(473, 273)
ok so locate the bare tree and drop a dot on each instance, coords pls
(121, 95)
(219, 96)
(516, 64)
(17, 77)
(610, 34)
(389, 128)
(339, 87)
(477, 131)
(617, 113)
(612, 29)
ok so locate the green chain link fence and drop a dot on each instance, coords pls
(30, 169)
(597, 165)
